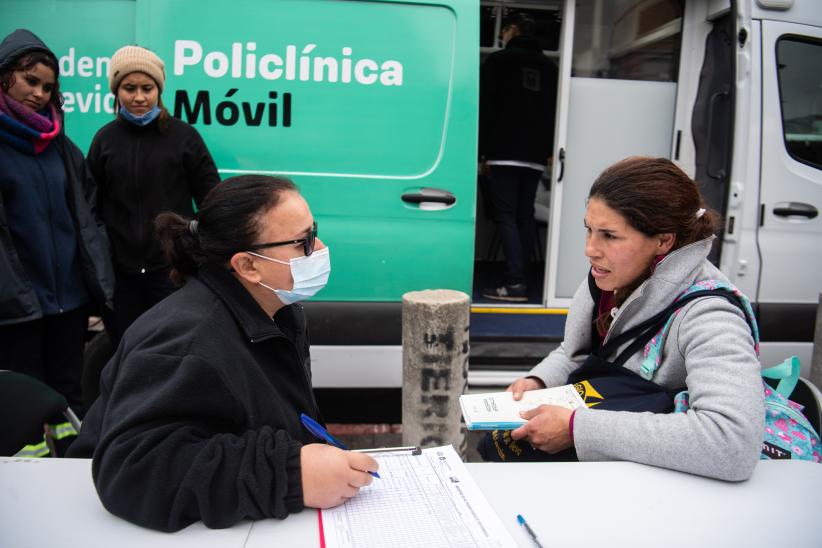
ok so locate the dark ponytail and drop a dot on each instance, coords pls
(656, 197)
(228, 222)
(181, 246)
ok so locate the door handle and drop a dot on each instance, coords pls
(561, 164)
(795, 209)
(429, 195)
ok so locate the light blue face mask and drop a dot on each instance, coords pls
(142, 120)
(310, 274)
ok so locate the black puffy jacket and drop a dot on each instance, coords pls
(18, 298)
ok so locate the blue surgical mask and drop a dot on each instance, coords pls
(310, 274)
(142, 120)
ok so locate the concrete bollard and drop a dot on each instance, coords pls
(434, 367)
(816, 359)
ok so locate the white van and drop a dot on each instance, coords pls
(732, 92)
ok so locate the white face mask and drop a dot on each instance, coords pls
(310, 274)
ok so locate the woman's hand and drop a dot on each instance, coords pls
(546, 429)
(331, 476)
(523, 385)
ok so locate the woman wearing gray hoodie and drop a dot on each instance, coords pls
(648, 238)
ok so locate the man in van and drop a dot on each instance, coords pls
(518, 87)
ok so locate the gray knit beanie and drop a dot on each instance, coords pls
(130, 59)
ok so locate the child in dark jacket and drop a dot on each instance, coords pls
(54, 258)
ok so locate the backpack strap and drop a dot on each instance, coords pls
(652, 356)
(787, 373)
(650, 328)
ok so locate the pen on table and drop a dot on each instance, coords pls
(531, 533)
(317, 429)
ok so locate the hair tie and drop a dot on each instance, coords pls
(192, 227)
(700, 212)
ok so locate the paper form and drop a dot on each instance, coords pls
(424, 500)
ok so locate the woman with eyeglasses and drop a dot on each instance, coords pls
(199, 412)
(54, 259)
(144, 161)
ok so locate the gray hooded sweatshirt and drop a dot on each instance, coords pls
(709, 349)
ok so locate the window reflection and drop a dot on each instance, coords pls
(628, 39)
(546, 15)
(800, 90)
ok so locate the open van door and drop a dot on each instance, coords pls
(617, 99)
(790, 224)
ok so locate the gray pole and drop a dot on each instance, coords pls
(434, 367)
(816, 360)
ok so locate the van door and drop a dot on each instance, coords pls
(619, 101)
(791, 177)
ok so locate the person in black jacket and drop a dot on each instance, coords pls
(54, 258)
(145, 162)
(199, 412)
(518, 90)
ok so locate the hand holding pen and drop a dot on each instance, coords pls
(331, 476)
(321, 433)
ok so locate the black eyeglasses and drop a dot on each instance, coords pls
(308, 242)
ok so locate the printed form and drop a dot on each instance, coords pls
(420, 500)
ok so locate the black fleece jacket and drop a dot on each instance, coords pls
(199, 412)
(141, 172)
(518, 95)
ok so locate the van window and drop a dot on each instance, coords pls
(631, 40)
(800, 91)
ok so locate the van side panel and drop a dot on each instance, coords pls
(359, 103)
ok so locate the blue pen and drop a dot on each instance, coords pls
(317, 429)
(531, 533)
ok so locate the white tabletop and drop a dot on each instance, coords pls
(52, 502)
(626, 504)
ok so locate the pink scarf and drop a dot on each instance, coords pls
(25, 129)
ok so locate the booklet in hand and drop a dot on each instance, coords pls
(499, 411)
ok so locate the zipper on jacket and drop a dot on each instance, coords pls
(301, 361)
(141, 230)
(301, 364)
(634, 297)
(53, 242)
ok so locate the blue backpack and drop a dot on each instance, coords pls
(788, 433)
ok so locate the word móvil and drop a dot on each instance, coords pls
(228, 112)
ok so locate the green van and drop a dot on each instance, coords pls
(371, 108)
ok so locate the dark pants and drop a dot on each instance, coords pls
(512, 191)
(51, 350)
(133, 295)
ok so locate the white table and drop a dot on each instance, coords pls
(52, 502)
